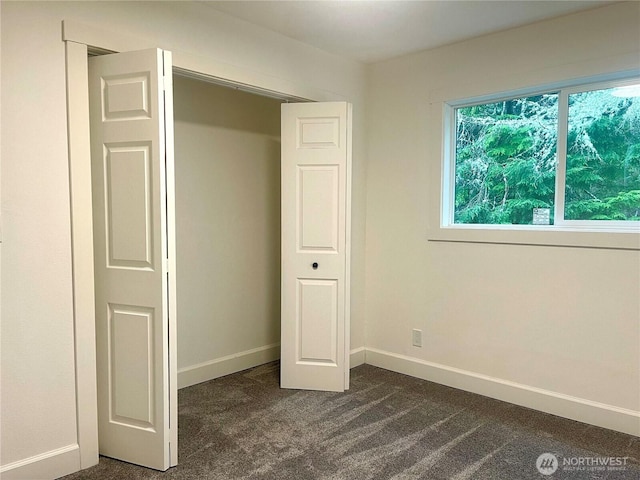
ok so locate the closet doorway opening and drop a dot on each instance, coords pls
(227, 181)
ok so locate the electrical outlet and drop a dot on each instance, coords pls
(416, 337)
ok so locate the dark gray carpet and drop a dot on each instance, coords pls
(387, 426)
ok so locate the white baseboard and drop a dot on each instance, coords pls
(46, 466)
(222, 366)
(219, 367)
(574, 408)
(357, 357)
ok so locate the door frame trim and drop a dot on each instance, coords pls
(82, 251)
(79, 39)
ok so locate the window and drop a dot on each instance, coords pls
(569, 157)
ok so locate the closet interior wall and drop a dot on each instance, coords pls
(227, 163)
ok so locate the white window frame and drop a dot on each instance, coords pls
(560, 223)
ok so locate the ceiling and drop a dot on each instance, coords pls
(376, 30)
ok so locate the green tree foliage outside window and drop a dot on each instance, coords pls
(603, 157)
(506, 158)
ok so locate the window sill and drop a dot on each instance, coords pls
(554, 236)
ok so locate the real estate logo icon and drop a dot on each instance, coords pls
(547, 463)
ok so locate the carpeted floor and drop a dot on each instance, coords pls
(387, 426)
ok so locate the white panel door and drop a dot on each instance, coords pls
(316, 162)
(133, 211)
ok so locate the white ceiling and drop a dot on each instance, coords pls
(375, 30)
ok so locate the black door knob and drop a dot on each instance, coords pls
(315, 265)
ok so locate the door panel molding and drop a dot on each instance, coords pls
(318, 186)
(317, 322)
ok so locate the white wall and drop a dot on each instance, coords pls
(38, 392)
(38, 396)
(227, 158)
(564, 320)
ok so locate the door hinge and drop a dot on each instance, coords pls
(165, 265)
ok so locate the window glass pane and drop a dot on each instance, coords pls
(506, 161)
(603, 155)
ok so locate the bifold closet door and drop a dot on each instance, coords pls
(132, 180)
(316, 156)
